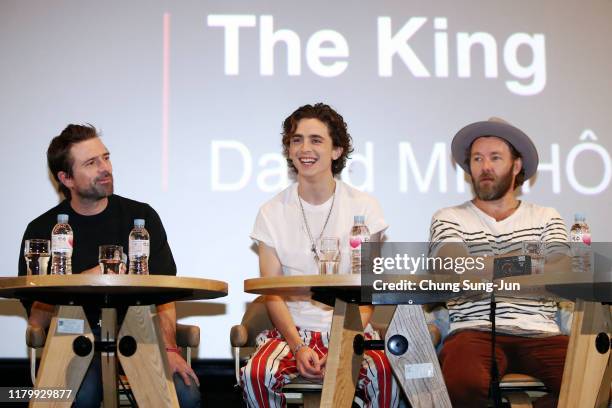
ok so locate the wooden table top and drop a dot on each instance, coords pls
(324, 288)
(110, 289)
(568, 285)
(300, 285)
(304, 283)
(354, 288)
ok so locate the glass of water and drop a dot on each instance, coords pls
(111, 259)
(329, 255)
(536, 250)
(36, 253)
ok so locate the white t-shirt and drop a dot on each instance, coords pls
(482, 234)
(280, 225)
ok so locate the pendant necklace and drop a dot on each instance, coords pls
(313, 247)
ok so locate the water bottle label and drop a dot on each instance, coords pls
(61, 243)
(583, 237)
(139, 247)
(586, 238)
(356, 241)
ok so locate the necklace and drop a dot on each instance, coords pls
(313, 247)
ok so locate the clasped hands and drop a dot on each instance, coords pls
(309, 364)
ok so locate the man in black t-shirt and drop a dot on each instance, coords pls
(111, 226)
(80, 163)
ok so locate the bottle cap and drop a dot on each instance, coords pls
(579, 217)
(139, 223)
(359, 219)
(62, 218)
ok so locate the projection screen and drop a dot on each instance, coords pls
(190, 97)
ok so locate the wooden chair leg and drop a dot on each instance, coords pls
(343, 365)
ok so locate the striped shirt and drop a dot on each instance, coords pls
(482, 234)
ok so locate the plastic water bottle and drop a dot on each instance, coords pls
(61, 247)
(139, 248)
(580, 241)
(359, 235)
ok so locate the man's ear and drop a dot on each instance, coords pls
(65, 179)
(337, 152)
(518, 165)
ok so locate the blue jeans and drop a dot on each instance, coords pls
(90, 394)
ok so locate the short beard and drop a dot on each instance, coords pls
(96, 192)
(497, 190)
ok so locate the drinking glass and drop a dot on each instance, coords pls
(536, 250)
(111, 259)
(329, 255)
(36, 253)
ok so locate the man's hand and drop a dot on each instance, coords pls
(309, 364)
(179, 365)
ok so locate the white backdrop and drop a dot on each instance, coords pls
(190, 97)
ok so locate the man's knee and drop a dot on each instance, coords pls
(466, 389)
(188, 395)
(465, 383)
(465, 368)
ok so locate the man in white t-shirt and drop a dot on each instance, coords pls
(287, 231)
(499, 158)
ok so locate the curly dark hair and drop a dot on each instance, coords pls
(335, 125)
(58, 153)
(520, 177)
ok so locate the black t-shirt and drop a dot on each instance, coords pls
(111, 226)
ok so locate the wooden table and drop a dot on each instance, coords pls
(343, 362)
(69, 347)
(587, 374)
(588, 368)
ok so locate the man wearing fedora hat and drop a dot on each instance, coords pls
(498, 157)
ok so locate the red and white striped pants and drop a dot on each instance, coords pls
(272, 366)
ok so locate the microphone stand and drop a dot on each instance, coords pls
(494, 390)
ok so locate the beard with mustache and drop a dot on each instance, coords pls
(498, 187)
(97, 191)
